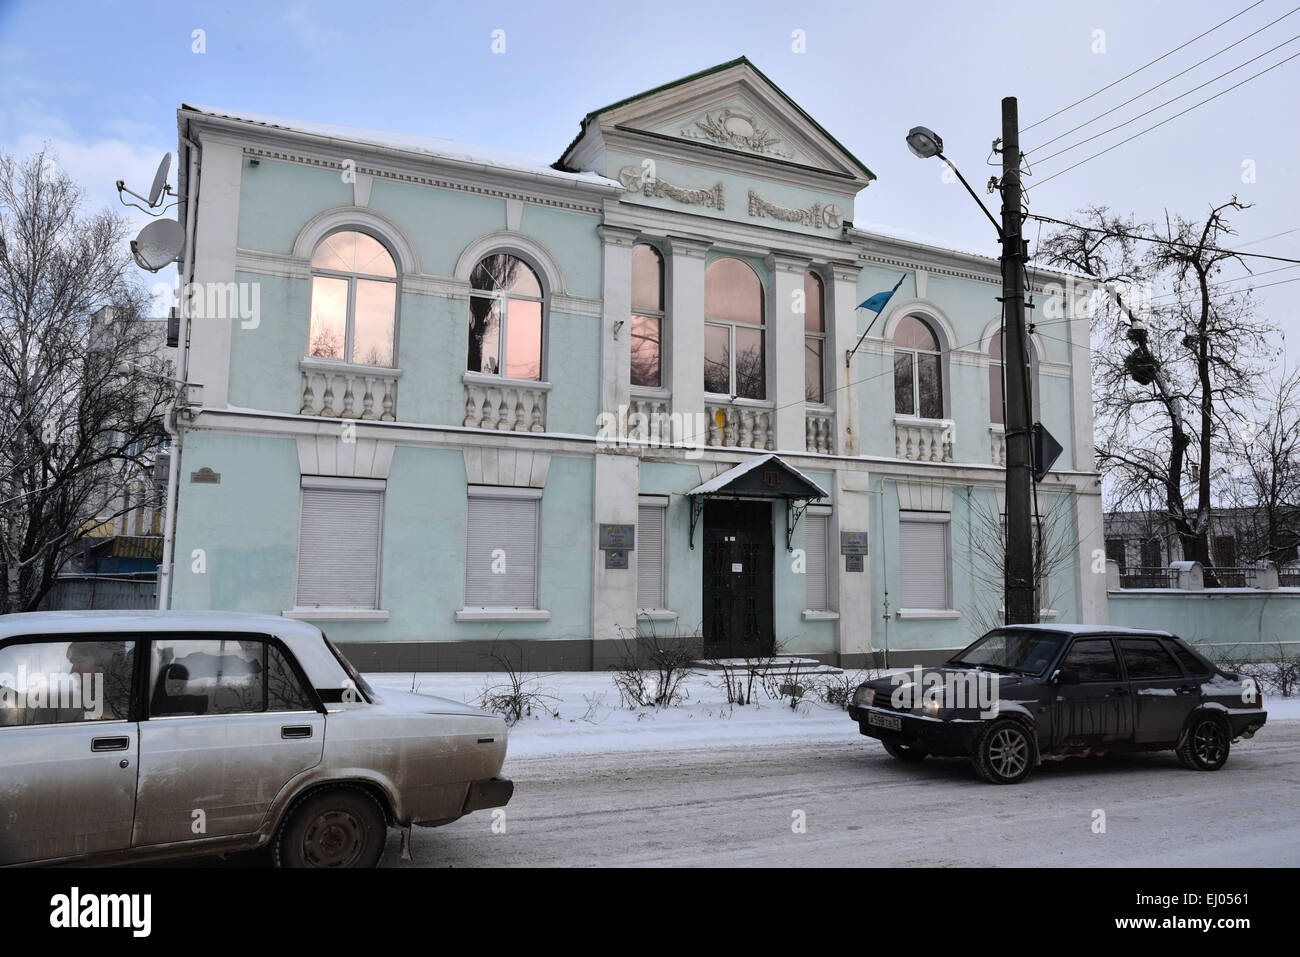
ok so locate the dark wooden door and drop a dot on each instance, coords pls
(738, 557)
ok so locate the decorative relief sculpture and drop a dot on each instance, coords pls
(636, 180)
(737, 129)
(815, 216)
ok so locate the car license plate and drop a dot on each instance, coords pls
(885, 721)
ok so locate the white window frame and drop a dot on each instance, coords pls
(658, 503)
(488, 613)
(937, 518)
(341, 613)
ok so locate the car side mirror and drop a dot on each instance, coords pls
(1066, 676)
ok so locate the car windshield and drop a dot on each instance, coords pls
(1023, 651)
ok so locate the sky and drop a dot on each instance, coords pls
(100, 82)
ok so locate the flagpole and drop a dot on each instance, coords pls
(848, 356)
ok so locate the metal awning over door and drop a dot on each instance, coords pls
(765, 477)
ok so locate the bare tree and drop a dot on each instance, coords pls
(1168, 385)
(1053, 545)
(1264, 476)
(74, 431)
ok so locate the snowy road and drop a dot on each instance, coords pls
(735, 806)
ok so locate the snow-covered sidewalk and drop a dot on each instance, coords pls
(590, 720)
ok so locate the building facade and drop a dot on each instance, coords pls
(452, 397)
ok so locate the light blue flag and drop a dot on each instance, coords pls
(878, 302)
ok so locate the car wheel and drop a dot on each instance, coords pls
(904, 752)
(1205, 748)
(335, 827)
(1005, 753)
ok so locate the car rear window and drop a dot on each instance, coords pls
(1147, 659)
(1193, 664)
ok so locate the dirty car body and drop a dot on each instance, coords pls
(147, 735)
(1062, 691)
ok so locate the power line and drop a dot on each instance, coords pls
(1158, 240)
(1141, 68)
(1158, 105)
(1168, 119)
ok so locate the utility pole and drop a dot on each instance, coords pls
(1019, 599)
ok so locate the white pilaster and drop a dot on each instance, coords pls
(853, 589)
(615, 324)
(614, 501)
(214, 262)
(686, 327)
(1094, 603)
(785, 351)
(841, 336)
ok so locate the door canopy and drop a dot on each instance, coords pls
(765, 477)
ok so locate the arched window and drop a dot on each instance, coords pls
(733, 331)
(918, 370)
(647, 316)
(814, 339)
(353, 300)
(505, 318)
(997, 397)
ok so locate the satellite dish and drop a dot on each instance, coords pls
(160, 179)
(158, 245)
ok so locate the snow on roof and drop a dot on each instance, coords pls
(722, 480)
(407, 142)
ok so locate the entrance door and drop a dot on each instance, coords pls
(738, 579)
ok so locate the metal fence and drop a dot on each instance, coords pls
(1148, 576)
(89, 592)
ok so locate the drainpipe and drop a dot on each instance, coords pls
(173, 422)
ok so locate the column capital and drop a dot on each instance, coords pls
(787, 262)
(846, 272)
(690, 248)
(616, 235)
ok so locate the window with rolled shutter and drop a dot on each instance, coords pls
(923, 557)
(501, 552)
(651, 588)
(817, 558)
(338, 546)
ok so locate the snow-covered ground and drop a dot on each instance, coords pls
(590, 720)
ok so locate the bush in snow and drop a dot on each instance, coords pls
(653, 669)
(517, 695)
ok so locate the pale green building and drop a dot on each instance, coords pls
(453, 396)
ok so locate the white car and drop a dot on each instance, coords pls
(145, 735)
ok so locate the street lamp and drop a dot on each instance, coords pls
(924, 142)
(1019, 599)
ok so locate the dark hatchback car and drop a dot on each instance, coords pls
(1028, 693)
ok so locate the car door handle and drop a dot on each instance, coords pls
(110, 744)
(295, 731)
(1119, 692)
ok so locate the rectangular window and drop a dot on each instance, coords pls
(222, 675)
(1151, 554)
(501, 555)
(1115, 552)
(1225, 551)
(60, 680)
(923, 558)
(816, 541)
(652, 557)
(339, 533)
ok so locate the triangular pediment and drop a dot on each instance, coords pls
(731, 111)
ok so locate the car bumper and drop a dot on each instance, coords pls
(1244, 724)
(494, 792)
(942, 736)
